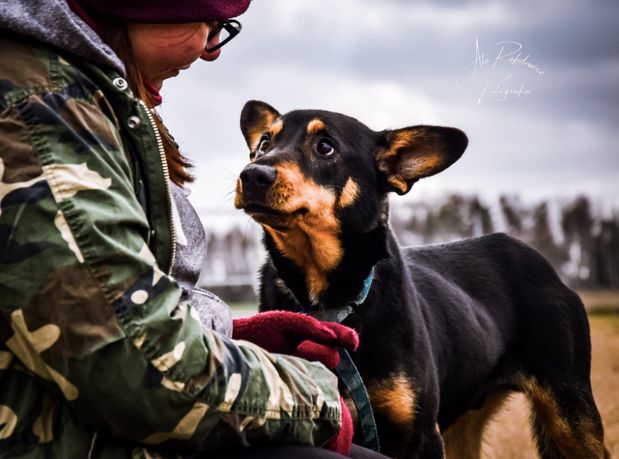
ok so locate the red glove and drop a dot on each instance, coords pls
(287, 332)
(310, 350)
(342, 441)
(293, 333)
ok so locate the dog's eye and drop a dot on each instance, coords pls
(264, 144)
(325, 148)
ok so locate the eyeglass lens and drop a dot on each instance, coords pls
(227, 30)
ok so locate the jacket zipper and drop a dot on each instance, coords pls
(166, 173)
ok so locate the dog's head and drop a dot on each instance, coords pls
(316, 174)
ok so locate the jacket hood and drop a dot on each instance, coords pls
(52, 22)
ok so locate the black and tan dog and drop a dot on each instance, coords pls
(447, 331)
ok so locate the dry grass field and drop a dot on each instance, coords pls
(509, 436)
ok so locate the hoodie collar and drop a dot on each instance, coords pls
(52, 22)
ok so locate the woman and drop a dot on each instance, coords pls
(106, 347)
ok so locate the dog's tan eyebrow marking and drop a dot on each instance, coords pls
(349, 193)
(315, 125)
(277, 127)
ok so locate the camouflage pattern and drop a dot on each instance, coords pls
(98, 355)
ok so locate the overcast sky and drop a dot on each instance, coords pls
(534, 84)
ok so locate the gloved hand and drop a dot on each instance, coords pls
(293, 333)
(342, 441)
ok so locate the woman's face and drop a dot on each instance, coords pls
(162, 50)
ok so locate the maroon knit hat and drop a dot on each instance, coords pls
(166, 11)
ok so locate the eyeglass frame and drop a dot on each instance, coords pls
(232, 26)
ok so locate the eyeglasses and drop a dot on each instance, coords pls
(227, 30)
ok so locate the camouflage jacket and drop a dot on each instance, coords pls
(99, 356)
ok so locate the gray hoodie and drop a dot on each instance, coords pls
(52, 22)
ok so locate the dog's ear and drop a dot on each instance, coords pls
(256, 119)
(408, 154)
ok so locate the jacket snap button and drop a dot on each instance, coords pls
(133, 122)
(120, 84)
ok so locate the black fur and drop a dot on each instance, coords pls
(462, 321)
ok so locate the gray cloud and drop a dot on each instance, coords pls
(395, 63)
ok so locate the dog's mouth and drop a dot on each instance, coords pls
(272, 217)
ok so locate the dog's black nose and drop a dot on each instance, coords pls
(257, 177)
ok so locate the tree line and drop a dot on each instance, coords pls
(582, 243)
(580, 239)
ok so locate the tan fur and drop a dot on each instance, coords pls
(269, 124)
(276, 127)
(463, 439)
(413, 168)
(411, 155)
(398, 183)
(315, 126)
(349, 193)
(567, 437)
(311, 241)
(395, 399)
(403, 139)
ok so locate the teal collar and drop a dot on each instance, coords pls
(367, 284)
(340, 314)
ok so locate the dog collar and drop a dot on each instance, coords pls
(340, 314)
(367, 285)
(347, 372)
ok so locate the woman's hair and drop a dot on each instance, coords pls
(116, 35)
